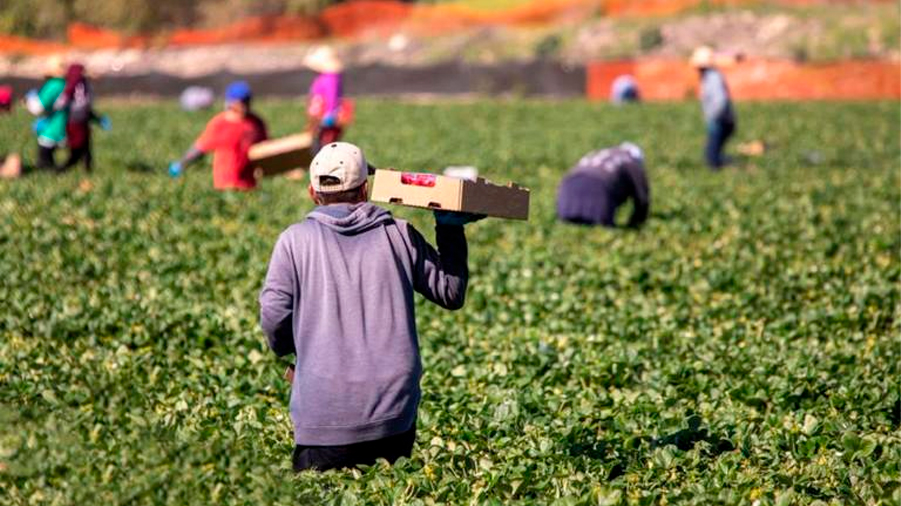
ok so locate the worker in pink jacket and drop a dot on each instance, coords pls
(327, 110)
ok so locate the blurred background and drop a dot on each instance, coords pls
(795, 49)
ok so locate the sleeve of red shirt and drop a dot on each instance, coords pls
(211, 137)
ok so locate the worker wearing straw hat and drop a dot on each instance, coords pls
(50, 126)
(716, 104)
(327, 110)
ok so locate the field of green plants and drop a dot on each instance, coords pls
(742, 348)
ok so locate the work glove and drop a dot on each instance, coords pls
(329, 120)
(38, 125)
(105, 123)
(175, 169)
(456, 219)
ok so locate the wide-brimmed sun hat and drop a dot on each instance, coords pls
(703, 57)
(324, 60)
(55, 66)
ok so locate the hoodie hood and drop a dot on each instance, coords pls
(350, 219)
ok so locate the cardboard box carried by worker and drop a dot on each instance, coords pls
(285, 154)
(432, 191)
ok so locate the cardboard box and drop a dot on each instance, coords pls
(431, 191)
(284, 154)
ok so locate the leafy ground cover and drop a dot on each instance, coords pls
(742, 348)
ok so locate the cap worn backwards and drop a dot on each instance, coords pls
(338, 167)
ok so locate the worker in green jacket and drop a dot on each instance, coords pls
(50, 126)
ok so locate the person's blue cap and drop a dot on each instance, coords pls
(237, 91)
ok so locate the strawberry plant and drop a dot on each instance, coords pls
(742, 348)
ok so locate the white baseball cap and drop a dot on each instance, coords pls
(338, 167)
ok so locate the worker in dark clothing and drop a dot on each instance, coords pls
(78, 98)
(591, 192)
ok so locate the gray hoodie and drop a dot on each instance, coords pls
(339, 295)
(715, 101)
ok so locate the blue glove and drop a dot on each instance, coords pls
(329, 121)
(105, 123)
(175, 169)
(38, 125)
(456, 219)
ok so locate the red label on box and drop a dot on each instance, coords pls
(418, 179)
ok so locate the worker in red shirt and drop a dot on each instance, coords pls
(229, 136)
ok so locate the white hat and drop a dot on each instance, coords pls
(702, 57)
(324, 60)
(340, 163)
(55, 66)
(633, 150)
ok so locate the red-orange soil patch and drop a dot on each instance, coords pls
(756, 79)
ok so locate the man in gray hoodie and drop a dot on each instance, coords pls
(719, 115)
(339, 296)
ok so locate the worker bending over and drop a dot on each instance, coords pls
(600, 183)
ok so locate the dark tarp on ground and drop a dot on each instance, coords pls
(538, 78)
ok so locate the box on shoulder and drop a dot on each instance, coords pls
(432, 191)
(277, 156)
